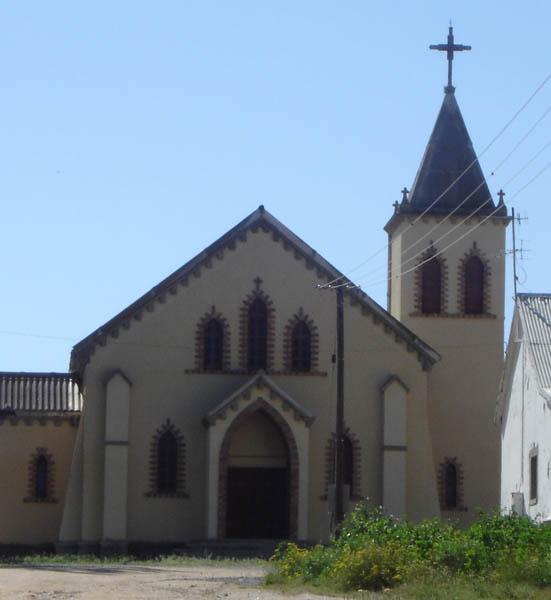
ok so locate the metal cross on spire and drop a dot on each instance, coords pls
(450, 48)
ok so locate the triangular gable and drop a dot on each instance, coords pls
(263, 220)
(260, 380)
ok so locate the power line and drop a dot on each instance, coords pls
(488, 146)
(399, 275)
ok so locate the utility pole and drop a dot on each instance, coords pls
(339, 512)
(514, 255)
(339, 421)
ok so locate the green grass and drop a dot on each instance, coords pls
(436, 587)
(172, 560)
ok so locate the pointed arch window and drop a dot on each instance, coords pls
(257, 353)
(348, 463)
(167, 464)
(213, 345)
(450, 486)
(474, 286)
(431, 287)
(41, 477)
(301, 348)
(351, 458)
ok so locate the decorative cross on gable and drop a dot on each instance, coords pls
(257, 283)
(450, 48)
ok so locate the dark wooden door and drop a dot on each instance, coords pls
(257, 503)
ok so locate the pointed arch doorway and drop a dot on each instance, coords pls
(259, 426)
(258, 474)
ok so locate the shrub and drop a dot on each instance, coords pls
(460, 554)
(375, 550)
(372, 567)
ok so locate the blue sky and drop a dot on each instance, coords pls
(135, 134)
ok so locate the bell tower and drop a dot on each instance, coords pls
(446, 243)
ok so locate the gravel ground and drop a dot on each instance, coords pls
(139, 583)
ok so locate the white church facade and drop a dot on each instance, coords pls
(206, 409)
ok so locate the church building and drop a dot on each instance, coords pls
(206, 410)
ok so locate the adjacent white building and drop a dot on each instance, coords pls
(524, 410)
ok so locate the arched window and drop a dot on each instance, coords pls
(348, 463)
(474, 286)
(450, 486)
(301, 348)
(257, 335)
(213, 345)
(41, 478)
(167, 464)
(431, 285)
(351, 457)
(167, 458)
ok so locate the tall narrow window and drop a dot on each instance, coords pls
(450, 478)
(348, 463)
(474, 286)
(533, 477)
(167, 467)
(450, 486)
(258, 335)
(41, 478)
(167, 458)
(213, 345)
(301, 348)
(431, 283)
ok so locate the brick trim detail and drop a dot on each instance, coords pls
(154, 462)
(298, 317)
(259, 405)
(330, 452)
(244, 327)
(486, 282)
(32, 472)
(200, 340)
(418, 283)
(441, 483)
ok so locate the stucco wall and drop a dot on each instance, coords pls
(526, 426)
(32, 522)
(464, 384)
(157, 353)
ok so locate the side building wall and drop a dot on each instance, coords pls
(28, 517)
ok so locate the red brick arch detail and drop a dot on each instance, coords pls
(418, 281)
(259, 405)
(486, 281)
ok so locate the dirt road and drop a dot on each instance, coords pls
(136, 583)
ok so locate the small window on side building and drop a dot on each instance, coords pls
(534, 476)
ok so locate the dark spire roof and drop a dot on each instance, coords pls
(447, 156)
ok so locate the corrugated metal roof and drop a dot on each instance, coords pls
(535, 312)
(39, 393)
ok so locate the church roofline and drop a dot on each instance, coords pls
(260, 218)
